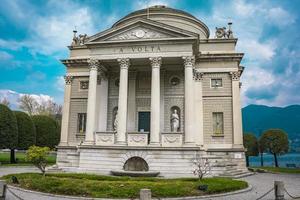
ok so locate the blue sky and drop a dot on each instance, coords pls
(34, 35)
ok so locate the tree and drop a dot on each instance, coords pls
(261, 150)
(47, 131)
(38, 157)
(201, 166)
(275, 141)
(251, 145)
(26, 130)
(8, 131)
(28, 104)
(5, 102)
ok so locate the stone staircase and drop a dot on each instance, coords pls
(232, 171)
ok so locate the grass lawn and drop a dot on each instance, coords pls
(121, 187)
(280, 169)
(21, 159)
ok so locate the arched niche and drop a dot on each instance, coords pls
(173, 111)
(136, 164)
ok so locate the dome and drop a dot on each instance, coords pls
(170, 16)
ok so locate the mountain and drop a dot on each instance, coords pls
(258, 118)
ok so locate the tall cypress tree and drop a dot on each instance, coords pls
(8, 131)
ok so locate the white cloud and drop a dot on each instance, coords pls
(279, 16)
(60, 83)
(141, 4)
(13, 96)
(5, 56)
(256, 50)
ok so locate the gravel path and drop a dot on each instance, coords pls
(261, 183)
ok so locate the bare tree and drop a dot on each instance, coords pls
(201, 166)
(28, 104)
(5, 101)
(49, 107)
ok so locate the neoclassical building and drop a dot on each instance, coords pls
(153, 93)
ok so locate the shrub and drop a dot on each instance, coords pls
(38, 157)
(26, 130)
(47, 131)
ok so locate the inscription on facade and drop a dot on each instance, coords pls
(139, 49)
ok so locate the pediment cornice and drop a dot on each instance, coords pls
(141, 29)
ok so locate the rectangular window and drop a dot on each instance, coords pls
(81, 122)
(218, 128)
(216, 82)
(84, 85)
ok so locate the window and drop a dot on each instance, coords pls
(216, 82)
(218, 123)
(84, 85)
(81, 122)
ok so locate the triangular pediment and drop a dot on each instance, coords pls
(141, 29)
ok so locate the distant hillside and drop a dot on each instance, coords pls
(258, 118)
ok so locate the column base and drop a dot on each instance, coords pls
(63, 144)
(88, 143)
(154, 144)
(121, 143)
(189, 144)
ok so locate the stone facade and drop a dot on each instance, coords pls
(123, 85)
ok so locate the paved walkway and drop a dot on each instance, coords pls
(261, 183)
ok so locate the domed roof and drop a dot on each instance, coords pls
(171, 16)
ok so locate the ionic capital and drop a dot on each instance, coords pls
(189, 61)
(124, 63)
(155, 62)
(68, 79)
(93, 64)
(235, 76)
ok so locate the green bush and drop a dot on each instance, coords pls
(26, 130)
(8, 130)
(38, 157)
(47, 131)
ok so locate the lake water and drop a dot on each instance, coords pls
(291, 158)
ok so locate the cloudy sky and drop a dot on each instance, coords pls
(34, 35)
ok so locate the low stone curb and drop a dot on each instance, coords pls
(249, 188)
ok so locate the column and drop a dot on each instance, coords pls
(131, 116)
(66, 112)
(122, 105)
(91, 106)
(155, 101)
(188, 100)
(102, 97)
(198, 107)
(236, 110)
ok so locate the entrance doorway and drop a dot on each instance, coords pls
(144, 122)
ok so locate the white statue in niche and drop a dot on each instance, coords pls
(115, 124)
(175, 121)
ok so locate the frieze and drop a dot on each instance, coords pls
(138, 49)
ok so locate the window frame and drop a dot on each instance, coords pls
(211, 81)
(214, 131)
(79, 120)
